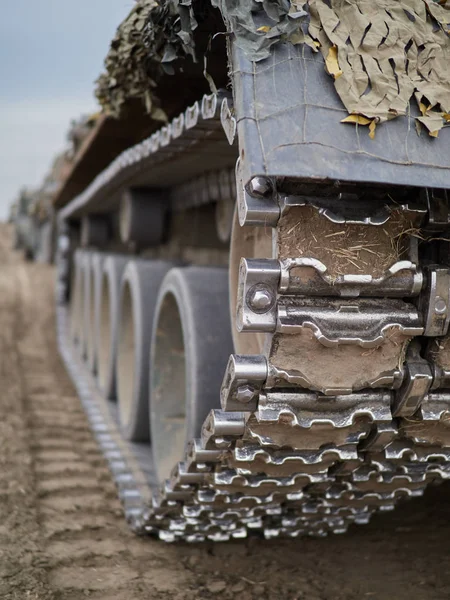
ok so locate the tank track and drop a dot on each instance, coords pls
(298, 450)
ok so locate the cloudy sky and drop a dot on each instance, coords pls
(51, 51)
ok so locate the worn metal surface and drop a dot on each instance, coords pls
(289, 114)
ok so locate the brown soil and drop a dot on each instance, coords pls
(349, 367)
(62, 536)
(354, 249)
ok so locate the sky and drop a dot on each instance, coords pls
(51, 52)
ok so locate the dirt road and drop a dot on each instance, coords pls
(61, 531)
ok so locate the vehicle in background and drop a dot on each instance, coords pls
(33, 213)
(24, 226)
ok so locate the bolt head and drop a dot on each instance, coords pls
(260, 298)
(440, 306)
(260, 186)
(245, 393)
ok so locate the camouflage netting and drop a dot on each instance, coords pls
(127, 74)
(381, 53)
(146, 43)
(258, 24)
(155, 34)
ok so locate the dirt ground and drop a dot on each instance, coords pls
(62, 536)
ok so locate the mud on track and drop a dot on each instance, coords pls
(61, 531)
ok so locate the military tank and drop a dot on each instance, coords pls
(22, 218)
(253, 297)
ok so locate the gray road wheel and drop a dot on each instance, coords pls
(109, 293)
(95, 230)
(142, 217)
(85, 300)
(190, 346)
(139, 291)
(76, 294)
(95, 275)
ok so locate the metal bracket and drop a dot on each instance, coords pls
(256, 208)
(244, 379)
(257, 295)
(435, 301)
(437, 204)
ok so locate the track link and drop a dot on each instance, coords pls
(340, 415)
